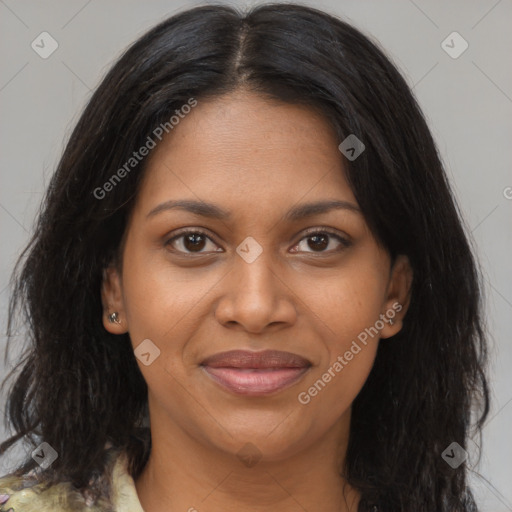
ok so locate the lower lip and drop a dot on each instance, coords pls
(254, 382)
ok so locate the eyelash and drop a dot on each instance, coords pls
(308, 234)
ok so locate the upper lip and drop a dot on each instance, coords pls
(248, 359)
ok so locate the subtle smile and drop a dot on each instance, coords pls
(255, 373)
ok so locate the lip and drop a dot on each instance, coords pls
(256, 360)
(255, 373)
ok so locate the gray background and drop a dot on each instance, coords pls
(467, 101)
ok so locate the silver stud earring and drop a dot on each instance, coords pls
(114, 318)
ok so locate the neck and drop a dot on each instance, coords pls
(184, 474)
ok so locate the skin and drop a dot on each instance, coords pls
(257, 159)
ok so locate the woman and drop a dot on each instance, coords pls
(250, 287)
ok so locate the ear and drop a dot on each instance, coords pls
(398, 296)
(112, 300)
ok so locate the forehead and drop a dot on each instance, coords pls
(243, 147)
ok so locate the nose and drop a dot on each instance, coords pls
(255, 297)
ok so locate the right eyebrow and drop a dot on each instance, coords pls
(197, 207)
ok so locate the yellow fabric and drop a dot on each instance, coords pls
(26, 495)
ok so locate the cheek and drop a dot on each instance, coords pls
(160, 306)
(347, 301)
(157, 295)
(347, 310)
(330, 393)
(346, 358)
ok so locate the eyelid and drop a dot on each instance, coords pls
(185, 231)
(344, 239)
(331, 231)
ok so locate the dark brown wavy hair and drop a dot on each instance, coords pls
(75, 380)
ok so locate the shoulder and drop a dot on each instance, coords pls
(27, 493)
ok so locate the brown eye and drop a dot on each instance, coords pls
(194, 242)
(189, 242)
(319, 241)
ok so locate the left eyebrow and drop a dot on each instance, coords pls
(302, 211)
(214, 211)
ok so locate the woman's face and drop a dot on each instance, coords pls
(273, 274)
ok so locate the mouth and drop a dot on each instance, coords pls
(255, 373)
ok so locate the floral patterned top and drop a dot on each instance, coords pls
(25, 494)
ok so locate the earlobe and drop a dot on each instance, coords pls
(114, 318)
(399, 295)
